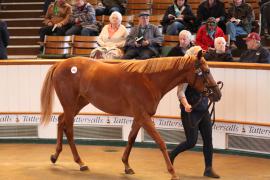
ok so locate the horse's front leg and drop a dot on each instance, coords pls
(131, 139)
(70, 137)
(60, 129)
(148, 125)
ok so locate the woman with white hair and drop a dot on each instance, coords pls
(185, 42)
(111, 39)
(220, 53)
(195, 117)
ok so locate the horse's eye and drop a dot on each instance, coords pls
(207, 71)
(199, 72)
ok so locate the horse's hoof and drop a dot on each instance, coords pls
(53, 159)
(129, 171)
(84, 168)
(175, 178)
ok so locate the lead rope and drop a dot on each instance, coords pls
(212, 112)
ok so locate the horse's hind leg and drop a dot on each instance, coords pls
(60, 129)
(148, 125)
(131, 139)
(70, 134)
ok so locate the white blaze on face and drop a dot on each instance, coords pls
(74, 70)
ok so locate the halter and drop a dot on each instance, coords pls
(200, 73)
(208, 90)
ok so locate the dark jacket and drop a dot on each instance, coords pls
(243, 12)
(152, 34)
(216, 11)
(4, 39)
(113, 3)
(212, 55)
(193, 98)
(177, 51)
(189, 18)
(261, 55)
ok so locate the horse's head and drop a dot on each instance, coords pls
(202, 79)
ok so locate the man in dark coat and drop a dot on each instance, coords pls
(212, 8)
(255, 52)
(4, 38)
(144, 41)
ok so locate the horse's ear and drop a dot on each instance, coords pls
(199, 55)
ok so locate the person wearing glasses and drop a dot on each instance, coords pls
(207, 33)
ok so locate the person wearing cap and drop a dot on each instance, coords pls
(207, 33)
(240, 17)
(220, 53)
(144, 40)
(177, 17)
(255, 52)
(4, 40)
(195, 119)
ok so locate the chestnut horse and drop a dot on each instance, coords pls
(132, 88)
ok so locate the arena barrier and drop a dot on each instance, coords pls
(242, 114)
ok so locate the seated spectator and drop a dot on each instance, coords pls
(46, 5)
(220, 53)
(178, 16)
(185, 42)
(4, 39)
(108, 6)
(207, 33)
(83, 18)
(255, 52)
(111, 39)
(240, 18)
(144, 41)
(211, 8)
(265, 21)
(56, 19)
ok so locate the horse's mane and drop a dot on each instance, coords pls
(156, 64)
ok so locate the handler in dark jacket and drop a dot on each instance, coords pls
(255, 52)
(195, 119)
(4, 38)
(178, 16)
(144, 41)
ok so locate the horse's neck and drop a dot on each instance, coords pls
(166, 81)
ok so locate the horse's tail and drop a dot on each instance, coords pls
(47, 96)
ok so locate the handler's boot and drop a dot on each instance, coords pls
(209, 172)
